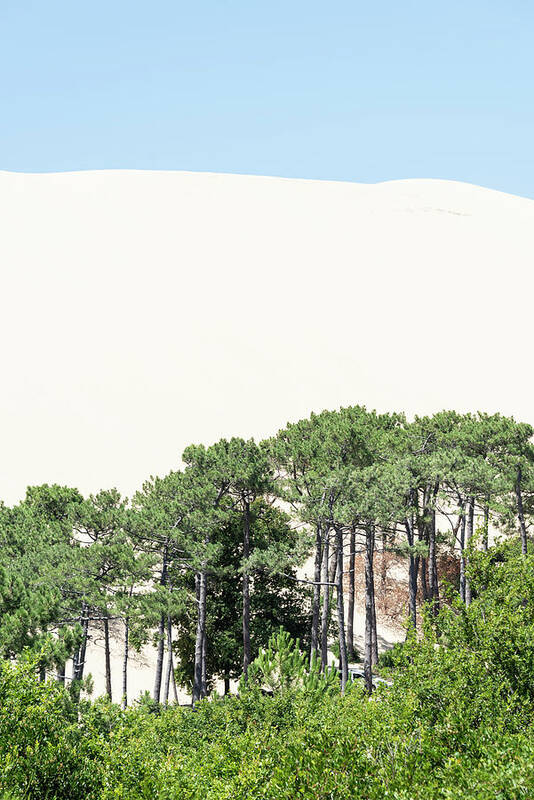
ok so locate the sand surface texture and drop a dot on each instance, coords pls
(142, 311)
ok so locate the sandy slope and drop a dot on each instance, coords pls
(143, 311)
(142, 665)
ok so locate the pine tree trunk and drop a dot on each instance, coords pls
(423, 537)
(107, 655)
(174, 690)
(159, 659)
(204, 682)
(424, 583)
(368, 649)
(384, 573)
(469, 536)
(75, 662)
(246, 590)
(332, 573)
(485, 540)
(413, 570)
(80, 662)
(316, 592)
(520, 512)
(436, 585)
(125, 662)
(167, 682)
(199, 640)
(350, 616)
(432, 566)
(161, 633)
(332, 577)
(326, 600)
(462, 556)
(341, 612)
(83, 651)
(169, 671)
(170, 679)
(414, 565)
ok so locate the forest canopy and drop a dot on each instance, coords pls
(206, 564)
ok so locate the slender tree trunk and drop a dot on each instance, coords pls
(75, 662)
(424, 583)
(174, 689)
(431, 556)
(80, 661)
(107, 655)
(413, 588)
(161, 633)
(520, 512)
(226, 685)
(246, 589)
(169, 671)
(167, 682)
(368, 650)
(326, 600)
(316, 592)
(350, 616)
(169, 678)
(159, 659)
(61, 673)
(469, 536)
(204, 682)
(485, 540)
(83, 650)
(341, 612)
(432, 564)
(423, 529)
(125, 662)
(412, 574)
(384, 573)
(436, 585)
(462, 556)
(199, 640)
(332, 575)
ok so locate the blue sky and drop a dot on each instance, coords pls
(358, 91)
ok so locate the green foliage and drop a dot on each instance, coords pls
(276, 598)
(461, 698)
(392, 656)
(40, 567)
(44, 752)
(456, 723)
(283, 667)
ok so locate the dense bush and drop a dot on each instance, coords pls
(457, 721)
(44, 751)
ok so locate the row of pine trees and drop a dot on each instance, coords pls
(205, 562)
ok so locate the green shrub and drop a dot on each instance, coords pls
(456, 723)
(44, 752)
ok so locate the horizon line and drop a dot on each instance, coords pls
(260, 175)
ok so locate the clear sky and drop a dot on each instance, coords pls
(357, 91)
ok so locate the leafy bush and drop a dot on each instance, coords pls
(44, 752)
(456, 724)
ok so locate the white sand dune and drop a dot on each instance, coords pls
(142, 311)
